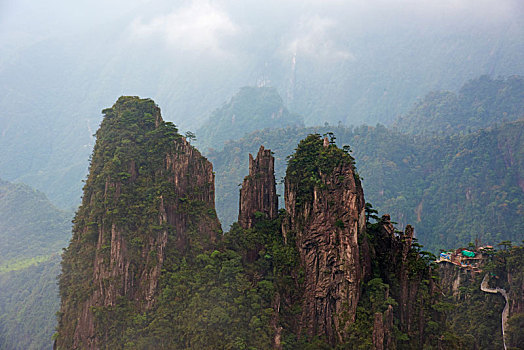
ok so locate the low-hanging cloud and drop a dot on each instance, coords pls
(314, 38)
(199, 27)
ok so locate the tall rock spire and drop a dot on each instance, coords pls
(258, 192)
(326, 217)
(148, 192)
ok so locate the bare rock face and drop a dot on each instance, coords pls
(383, 330)
(138, 202)
(396, 251)
(194, 182)
(258, 192)
(327, 225)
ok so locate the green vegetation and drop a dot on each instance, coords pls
(453, 186)
(32, 232)
(218, 299)
(209, 296)
(476, 315)
(453, 189)
(480, 103)
(30, 226)
(310, 160)
(232, 294)
(133, 140)
(252, 108)
(228, 297)
(20, 264)
(418, 323)
(28, 303)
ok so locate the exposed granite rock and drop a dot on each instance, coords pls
(383, 330)
(395, 251)
(327, 230)
(120, 257)
(378, 332)
(452, 277)
(258, 192)
(194, 181)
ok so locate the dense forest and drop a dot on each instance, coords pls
(469, 172)
(158, 273)
(480, 103)
(32, 234)
(256, 107)
(28, 304)
(468, 185)
(476, 315)
(30, 226)
(472, 178)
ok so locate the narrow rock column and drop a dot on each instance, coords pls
(258, 192)
(327, 219)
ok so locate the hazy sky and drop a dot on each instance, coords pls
(309, 26)
(349, 61)
(227, 44)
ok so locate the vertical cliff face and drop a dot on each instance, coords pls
(488, 300)
(325, 205)
(403, 269)
(144, 183)
(383, 338)
(144, 268)
(258, 192)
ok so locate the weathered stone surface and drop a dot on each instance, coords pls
(383, 330)
(327, 231)
(193, 179)
(378, 332)
(127, 259)
(395, 249)
(258, 192)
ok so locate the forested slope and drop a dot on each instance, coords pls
(452, 188)
(30, 226)
(28, 304)
(480, 103)
(252, 108)
(32, 234)
(476, 315)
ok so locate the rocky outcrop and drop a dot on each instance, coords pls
(147, 224)
(258, 193)
(148, 191)
(396, 257)
(193, 181)
(383, 330)
(327, 224)
(453, 277)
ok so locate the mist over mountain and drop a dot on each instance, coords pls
(331, 61)
(32, 234)
(251, 109)
(479, 103)
(428, 94)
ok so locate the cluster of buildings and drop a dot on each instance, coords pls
(470, 259)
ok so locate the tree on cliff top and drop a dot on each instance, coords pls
(312, 158)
